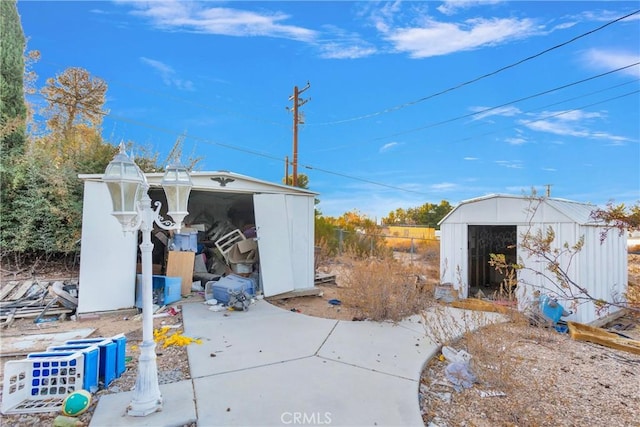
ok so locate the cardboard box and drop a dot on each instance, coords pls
(243, 253)
(247, 245)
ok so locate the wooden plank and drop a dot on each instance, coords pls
(294, 294)
(31, 313)
(180, 264)
(10, 318)
(26, 303)
(479, 305)
(22, 290)
(324, 278)
(582, 332)
(7, 288)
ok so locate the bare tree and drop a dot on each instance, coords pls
(73, 98)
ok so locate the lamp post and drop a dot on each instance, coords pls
(132, 207)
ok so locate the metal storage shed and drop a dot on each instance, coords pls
(283, 215)
(496, 224)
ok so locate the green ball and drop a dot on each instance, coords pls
(76, 403)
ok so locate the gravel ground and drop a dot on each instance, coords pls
(544, 378)
(173, 363)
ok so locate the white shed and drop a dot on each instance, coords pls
(283, 216)
(497, 223)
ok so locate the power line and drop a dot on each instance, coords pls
(582, 107)
(484, 76)
(488, 109)
(311, 167)
(475, 113)
(257, 153)
(547, 106)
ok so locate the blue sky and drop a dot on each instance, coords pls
(409, 102)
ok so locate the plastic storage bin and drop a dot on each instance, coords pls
(165, 289)
(40, 383)
(91, 362)
(185, 242)
(112, 355)
(106, 362)
(220, 289)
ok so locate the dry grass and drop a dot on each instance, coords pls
(385, 289)
(632, 294)
(547, 380)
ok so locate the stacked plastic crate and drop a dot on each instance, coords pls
(40, 382)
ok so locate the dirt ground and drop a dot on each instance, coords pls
(542, 378)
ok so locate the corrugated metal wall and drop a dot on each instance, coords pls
(601, 268)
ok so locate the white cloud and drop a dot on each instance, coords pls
(606, 60)
(346, 51)
(470, 158)
(168, 74)
(336, 43)
(605, 16)
(443, 186)
(389, 146)
(550, 169)
(202, 18)
(575, 123)
(510, 164)
(451, 7)
(435, 38)
(516, 141)
(484, 112)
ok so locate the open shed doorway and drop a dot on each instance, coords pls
(485, 240)
(218, 213)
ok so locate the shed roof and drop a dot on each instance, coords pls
(223, 181)
(577, 212)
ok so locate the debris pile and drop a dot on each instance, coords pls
(36, 299)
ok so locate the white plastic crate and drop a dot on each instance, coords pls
(40, 384)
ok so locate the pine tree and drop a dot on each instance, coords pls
(12, 113)
(12, 107)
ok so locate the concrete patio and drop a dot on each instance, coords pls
(268, 366)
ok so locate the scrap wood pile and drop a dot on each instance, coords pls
(36, 299)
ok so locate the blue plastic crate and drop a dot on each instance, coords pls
(165, 289)
(91, 362)
(107, 370)
(119, 340)
(121, 352)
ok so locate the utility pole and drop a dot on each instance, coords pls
(286, 170)
(297, 103)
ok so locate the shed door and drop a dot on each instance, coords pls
(274, 243)
(108, 257)
(483, 241)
